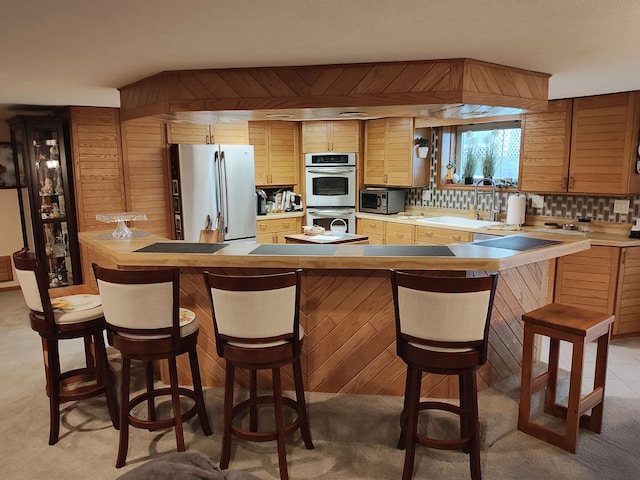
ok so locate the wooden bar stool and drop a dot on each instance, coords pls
(579, 327)
(257, 326)
(143, 318)
(80, 316)
(442, 326)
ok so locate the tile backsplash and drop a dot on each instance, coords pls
(597, 208)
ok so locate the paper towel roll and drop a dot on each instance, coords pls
(516, 208)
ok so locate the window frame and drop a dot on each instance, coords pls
(449, 144)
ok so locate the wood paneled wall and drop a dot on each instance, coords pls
(146, 174)
(96, 157)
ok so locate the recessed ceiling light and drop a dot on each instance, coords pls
(352, 114)
(279, 115)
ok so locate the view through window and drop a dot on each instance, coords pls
(488, 150)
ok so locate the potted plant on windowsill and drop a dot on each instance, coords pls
(489, 162)
(423, 147)
(470, 166)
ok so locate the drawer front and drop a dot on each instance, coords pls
(369, 227)
(278, 225)
(399, 234)
(440, 236)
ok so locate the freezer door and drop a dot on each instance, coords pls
(238, 193)
(197, 188)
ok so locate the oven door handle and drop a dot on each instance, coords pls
(329, 213)
(331, 170)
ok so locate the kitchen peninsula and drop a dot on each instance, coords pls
(346, 302)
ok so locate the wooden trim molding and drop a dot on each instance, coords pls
(455, 88)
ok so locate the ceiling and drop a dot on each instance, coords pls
(79, 52)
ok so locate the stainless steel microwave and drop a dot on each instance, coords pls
(381, 200)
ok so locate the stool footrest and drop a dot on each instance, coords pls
(168, 422)
(436, 443)
(264, 436)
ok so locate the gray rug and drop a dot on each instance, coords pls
(354, 435)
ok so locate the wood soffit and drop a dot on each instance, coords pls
(443, 89)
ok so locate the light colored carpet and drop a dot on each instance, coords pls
(354, 435)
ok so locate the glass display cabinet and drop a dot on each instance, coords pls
(45, 195)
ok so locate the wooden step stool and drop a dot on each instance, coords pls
(579, 327)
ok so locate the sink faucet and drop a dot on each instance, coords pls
(493, 210)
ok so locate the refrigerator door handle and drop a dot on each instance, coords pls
(223, 190)
(216, 173)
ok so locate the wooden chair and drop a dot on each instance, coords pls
(55, 325)
(442, 327)
(257, 326)
(579, 327)
(141, 308)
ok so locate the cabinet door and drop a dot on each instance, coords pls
(258, 138)
(602, 142)
(230, 133)
(374, 152)
(344, 136)
(545, 146)
(315, 137)
(588, 279)
(283, 156)
(399, 234)
(628, 299)
(399, 152)
(187, 133)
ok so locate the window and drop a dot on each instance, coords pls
(493, 150)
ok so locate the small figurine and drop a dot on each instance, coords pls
(47, 188)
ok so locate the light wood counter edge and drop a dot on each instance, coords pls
(467, 256)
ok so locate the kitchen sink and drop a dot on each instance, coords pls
(458, 222)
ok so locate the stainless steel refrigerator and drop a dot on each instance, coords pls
(210, 181)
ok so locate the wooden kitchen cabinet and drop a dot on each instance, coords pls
(374, 229)
(440, 236)
(588, 279)
(389, 155)
(276, 153)
(399, 234)
(330, 136)
(628, 297)
(601, 147)
(218, 134)
(545, 146)
(274, 230)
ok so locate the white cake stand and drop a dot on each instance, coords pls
(121, 231)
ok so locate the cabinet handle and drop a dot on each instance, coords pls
(623, 260)
(263, 226)
(285, 224)
(428, 234)
(571, 182)
(456, 237)
(564, 183)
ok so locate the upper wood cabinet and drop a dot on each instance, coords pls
(330, 136)
(218, 134)
(389, 154)
(276, 153)
(588, 145)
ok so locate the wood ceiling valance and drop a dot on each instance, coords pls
(456, 88)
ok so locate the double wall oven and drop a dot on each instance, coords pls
(330, 181)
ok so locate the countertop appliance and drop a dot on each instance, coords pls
(208, 180)
(261, 207)
(382, 200)
(330, 179)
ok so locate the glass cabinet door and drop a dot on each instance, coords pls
(52, 210)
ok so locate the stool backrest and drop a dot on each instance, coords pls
(34, 285)
(255, 309)
(140, 302)
(443, 313)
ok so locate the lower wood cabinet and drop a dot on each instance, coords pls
(274, 230)
(588, 279)
(374, 229)
(628, 296)
(399, 234)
